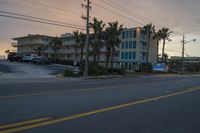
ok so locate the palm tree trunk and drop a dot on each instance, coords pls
(76, 52)
(98, 55)
(112, 56)
(107, 58)
(163, 50)
(81, 55)
(148, 47)
(157, 50)
(94, 57)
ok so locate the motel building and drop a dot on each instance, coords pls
(131, 53)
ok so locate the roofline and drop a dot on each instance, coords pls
(36, 35)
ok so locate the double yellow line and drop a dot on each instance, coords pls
(8, 128)
(21, 126)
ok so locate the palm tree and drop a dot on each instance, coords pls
(98, 27)
(113, 33)
(56, 45)
(108, 47)
(82, 44)
(149, 30)
(165, 57)
(77, 40)
(39, 50)
(158, 38)
(164, 35)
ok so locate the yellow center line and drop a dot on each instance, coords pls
(23, 123)
(58, 92)
(59, 120)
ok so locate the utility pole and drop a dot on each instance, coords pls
(88, 7)
(183, 52)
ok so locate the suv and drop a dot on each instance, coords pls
(41, 60)
(15, 57)
(29, 57)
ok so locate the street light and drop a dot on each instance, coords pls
(193, 40)
(183, 52)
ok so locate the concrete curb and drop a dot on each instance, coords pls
(60, 76)
(103, 77)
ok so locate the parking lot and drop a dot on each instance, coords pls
(19, 70)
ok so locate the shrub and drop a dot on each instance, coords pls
(68, 73)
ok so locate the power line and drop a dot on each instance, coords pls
(197, 46)
(52, 7)
(34, 8)
(144, 17)
(22, 15)
(122, 9)
(39, 21)
(130, 12)
(117, 13)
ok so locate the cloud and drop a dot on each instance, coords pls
(179, 15)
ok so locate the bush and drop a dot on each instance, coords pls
(94, 70)
(116, 71)
(66, 62)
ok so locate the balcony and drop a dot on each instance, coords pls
(14, 44)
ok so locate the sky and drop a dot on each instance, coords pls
(181, 16)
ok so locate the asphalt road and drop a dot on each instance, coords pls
(144, 104)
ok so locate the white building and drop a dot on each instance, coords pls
(28, 44)
(133, 49)
(131, 53)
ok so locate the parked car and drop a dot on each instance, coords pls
(41, 60)
(161, 67)
(29, 57)
(12, 56)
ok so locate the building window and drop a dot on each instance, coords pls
(68, 56)
(126, 55)
(126, 46)
(131, 34)
(143, 35)
(122, 55)
(134, 44)
(127, 34)
(123, 35)
(143, 45)
(122, 47)
(131, 44)
(130, 55)
(135, 34)
(133, 55)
